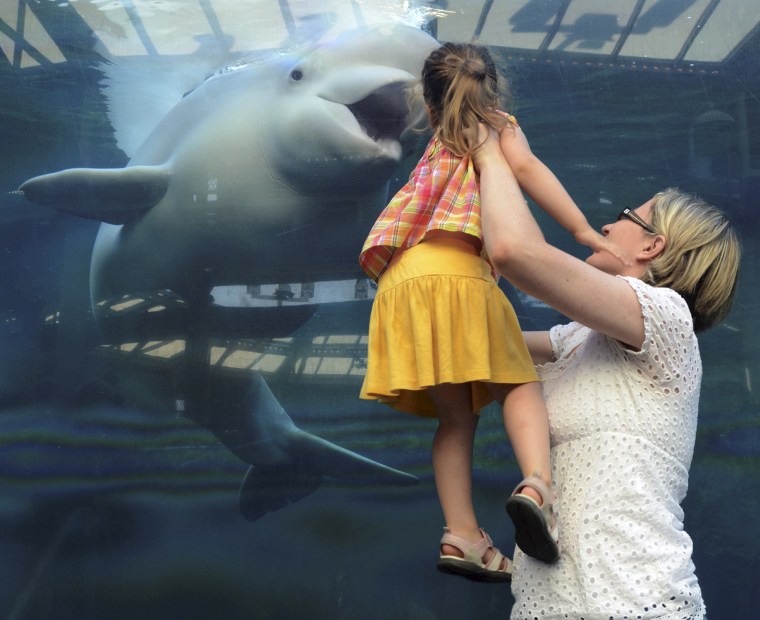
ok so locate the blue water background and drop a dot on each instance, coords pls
(115, 507)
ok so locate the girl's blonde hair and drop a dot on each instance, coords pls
(701, 256)
(460, 86)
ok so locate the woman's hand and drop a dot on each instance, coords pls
(484, 142)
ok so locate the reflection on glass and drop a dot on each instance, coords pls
(180, 430)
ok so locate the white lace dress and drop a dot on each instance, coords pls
(623, 426)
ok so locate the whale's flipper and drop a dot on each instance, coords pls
(287, 463)
(112, 195)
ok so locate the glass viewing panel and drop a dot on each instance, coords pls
(183, 322)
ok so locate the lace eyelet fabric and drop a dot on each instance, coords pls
(623, 425)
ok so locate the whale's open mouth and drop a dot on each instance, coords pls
(384, 114)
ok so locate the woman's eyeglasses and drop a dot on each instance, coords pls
(631, 215)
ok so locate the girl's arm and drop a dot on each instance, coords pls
(540, 183)
(517, 248)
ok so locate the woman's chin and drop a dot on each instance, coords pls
(604, 262)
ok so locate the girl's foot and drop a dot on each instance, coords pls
(531, 508)
(480, 561)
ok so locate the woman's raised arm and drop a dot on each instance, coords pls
(516, 246)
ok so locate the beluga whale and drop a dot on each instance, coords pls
(266, 172)
(263, 173)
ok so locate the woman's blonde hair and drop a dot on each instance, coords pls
(701, 256)
(460, 86)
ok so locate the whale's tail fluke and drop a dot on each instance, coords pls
(286, 462)
(311, 460)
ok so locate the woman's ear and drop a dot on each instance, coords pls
(655, 246)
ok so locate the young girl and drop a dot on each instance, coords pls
(443, 339)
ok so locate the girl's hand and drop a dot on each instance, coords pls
(599, 243)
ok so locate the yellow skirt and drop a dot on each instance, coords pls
(439, 317)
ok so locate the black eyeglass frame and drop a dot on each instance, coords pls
(634, 217)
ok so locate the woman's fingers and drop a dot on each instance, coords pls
(486, 144)
(472, 135)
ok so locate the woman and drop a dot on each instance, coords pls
(621, 384)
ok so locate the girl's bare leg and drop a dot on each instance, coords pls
(452, 461)
(452, 457)
(527, 424)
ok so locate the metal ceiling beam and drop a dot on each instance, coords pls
(20, 44)
(709, 10)
(628, 28)
(555, 26)
(139, 27)
(482, 20)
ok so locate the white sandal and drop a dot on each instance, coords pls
(536, 529)
(472, 565)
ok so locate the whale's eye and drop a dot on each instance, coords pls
(296, 75)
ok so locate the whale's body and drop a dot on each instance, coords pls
(261, 174)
